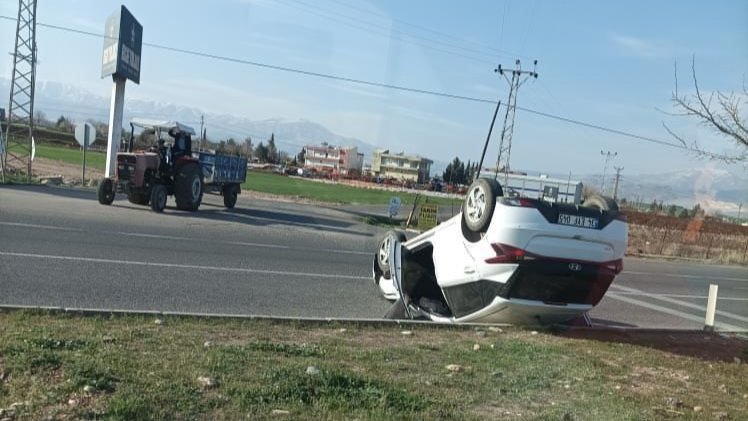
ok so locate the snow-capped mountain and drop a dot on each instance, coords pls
(54, 99)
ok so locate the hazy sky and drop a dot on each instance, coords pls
(607, 63)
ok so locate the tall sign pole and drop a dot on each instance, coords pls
(123, 41)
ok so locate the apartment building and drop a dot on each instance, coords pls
(400, 166)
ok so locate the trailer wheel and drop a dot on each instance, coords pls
(188, 187)
(158, 198)
(230, 193)
(105, 192)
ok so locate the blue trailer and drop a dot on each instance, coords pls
(223, 174)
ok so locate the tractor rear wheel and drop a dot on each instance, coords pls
(230, 193)
(158, 197)
(188, 187)
(105, 191)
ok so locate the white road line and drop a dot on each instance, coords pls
(681, 303)
(677, 275)
(671, 311)
(173, 265)
(701, 297)
(178, 238)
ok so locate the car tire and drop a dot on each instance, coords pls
(230, 194)
(188, 187)
(158, 197)
(397, 311)
(105, 191)
(479, 204)
(138, 198)
(602, 203)
(383, 252)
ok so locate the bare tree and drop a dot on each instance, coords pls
(717, 111)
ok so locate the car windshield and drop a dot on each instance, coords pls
(373, 209)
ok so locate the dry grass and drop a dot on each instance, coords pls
(141, 370)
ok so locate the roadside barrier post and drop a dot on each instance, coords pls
(711, 307)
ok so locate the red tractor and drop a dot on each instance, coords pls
(149, 176)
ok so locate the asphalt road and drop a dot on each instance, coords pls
(59, 247)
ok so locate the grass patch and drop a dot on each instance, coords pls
(145, 371)
(71, 156)
(383, 221)
(327, 192)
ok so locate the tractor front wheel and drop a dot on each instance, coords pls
(105, 191)
(158, 198)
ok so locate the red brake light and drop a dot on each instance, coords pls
(616, 266)
(506, 254)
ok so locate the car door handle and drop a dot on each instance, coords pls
(469, 269)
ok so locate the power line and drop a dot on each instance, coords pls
(328, 14)
(394, 87)
(429, 30)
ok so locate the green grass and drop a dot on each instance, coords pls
(71, 156)
(325, 192)
(145, 371)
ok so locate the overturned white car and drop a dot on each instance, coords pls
(505, 260)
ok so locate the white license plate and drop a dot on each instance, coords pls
(578, 221)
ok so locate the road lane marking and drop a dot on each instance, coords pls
(178, 238)
(681, 303)
(672, 312)
(702, 297)
(177, 266)
(677, 275)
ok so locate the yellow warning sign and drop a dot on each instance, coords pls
(427, 216)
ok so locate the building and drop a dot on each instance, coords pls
(400, 166)
(542, 187)
(333, 159)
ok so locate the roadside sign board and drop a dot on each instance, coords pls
(427, 216)
(85, 134)
(394, 207)
(123, 42)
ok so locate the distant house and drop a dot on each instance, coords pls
(400, 166)
(333, 159)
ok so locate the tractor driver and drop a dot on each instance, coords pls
(182, 144)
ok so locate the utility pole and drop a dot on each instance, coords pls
(740, 208)
(18, 143)
(618, 177)
(202, 134)
(518, 78)
(608, 157)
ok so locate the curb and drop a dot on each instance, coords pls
(554, 329)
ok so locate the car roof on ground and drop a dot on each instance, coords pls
(164, 125)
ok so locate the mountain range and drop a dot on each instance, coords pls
(716, 188)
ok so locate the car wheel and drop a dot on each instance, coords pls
(105, 191)
(602, 203)
(383, 253)
(479, 204)
(397, 311)
(158, 198)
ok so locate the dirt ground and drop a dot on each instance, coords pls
(71, 174)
